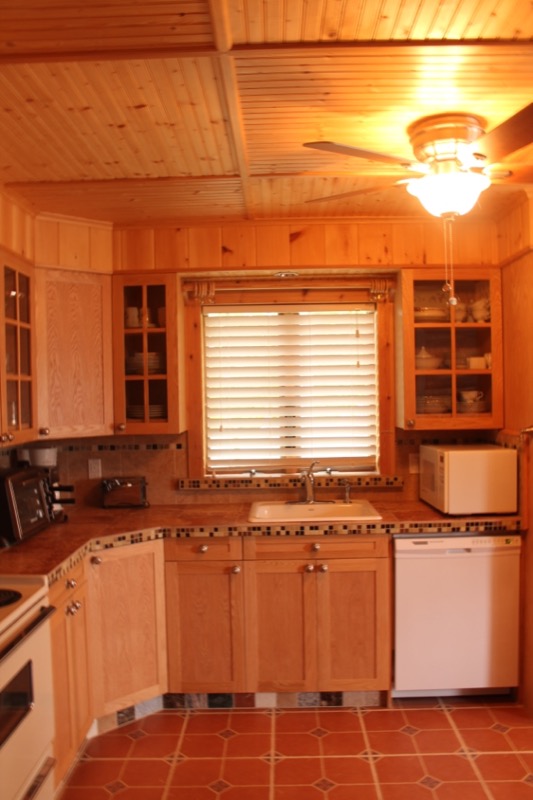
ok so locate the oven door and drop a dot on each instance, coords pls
(26, 711)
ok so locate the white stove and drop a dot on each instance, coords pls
(26, 689)
(19, 594)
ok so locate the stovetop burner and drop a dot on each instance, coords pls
(8, 596)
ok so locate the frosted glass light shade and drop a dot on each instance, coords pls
(449, 193)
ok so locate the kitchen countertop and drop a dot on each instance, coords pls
(56, 549)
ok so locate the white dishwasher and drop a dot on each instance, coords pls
(456, 613)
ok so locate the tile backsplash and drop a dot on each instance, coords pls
(163, 461)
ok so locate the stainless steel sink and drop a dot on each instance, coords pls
(282, 511)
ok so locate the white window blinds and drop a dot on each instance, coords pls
(285, 386)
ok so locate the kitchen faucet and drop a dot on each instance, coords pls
(308, 480)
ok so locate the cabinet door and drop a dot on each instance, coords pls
(449, 357)
(127, 625)
(205, 626)
(74, 363)
(354, 630)
(145, 354)
(17, 366)
(72, 689)
(281, 633)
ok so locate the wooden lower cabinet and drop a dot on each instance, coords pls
(318, 614)
(204, 595)
(127, 626)
(70, 663)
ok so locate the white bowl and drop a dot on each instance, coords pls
(427, 362)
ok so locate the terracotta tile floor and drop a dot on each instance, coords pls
(418, 750)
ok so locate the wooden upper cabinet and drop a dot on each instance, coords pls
(18, 390)
(74, 363)
(449, 357)
(145, 353)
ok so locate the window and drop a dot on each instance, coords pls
(289, 385)
(278, 375)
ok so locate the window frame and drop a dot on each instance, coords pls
(264, 292)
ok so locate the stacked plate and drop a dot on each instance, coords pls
(135, 363)
(431, 314)
(433, 404)
(154, 412)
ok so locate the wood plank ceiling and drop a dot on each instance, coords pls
(196, 110)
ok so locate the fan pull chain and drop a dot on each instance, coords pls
(448, 260)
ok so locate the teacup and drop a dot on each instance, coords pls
(470, 395)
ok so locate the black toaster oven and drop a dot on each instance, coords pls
(25, 504)
(128, 492)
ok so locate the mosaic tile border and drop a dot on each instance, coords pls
(259, 700)
(392, 529)
(291, 482)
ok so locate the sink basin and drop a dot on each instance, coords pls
(282, 511)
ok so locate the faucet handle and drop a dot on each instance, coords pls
(347, 488)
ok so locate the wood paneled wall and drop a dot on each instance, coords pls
(373, 244)
(16, 227)
(73, 244)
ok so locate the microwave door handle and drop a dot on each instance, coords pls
(43, 615)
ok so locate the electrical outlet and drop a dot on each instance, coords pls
(94, 466)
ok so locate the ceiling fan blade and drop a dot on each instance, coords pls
(370, 155)
(513, 134)
(368, 190)
(519, 174)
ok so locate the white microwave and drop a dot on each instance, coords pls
(469, 479)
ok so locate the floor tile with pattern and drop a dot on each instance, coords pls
(418, 750)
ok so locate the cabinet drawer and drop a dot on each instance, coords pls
(203, 548)
(67, 584)
(316, 547)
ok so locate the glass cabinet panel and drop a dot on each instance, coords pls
(18, 398)
(149, 367)
(451, 352)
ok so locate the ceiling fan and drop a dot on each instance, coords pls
(455, 158)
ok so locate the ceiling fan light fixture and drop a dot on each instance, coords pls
(449, 193)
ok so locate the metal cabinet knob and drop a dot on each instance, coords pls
(121, 427)
(410, 423)
(323, 568)
(77, 605)
(203, 548)
(44, 431)
(71, 583)
(10, 437)
(315, 547)
(71, 610)
(96, 561)
(236, 569)
(3, 437)
(309, 567)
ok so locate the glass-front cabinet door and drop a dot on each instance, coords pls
(145, 366)
(18, 395)
(449, 353)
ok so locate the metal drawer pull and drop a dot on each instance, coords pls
(71, 583)
(236, 569)
(315, 547)
(309, 567)
(96, 561)
(203, 548)
(323, 568)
